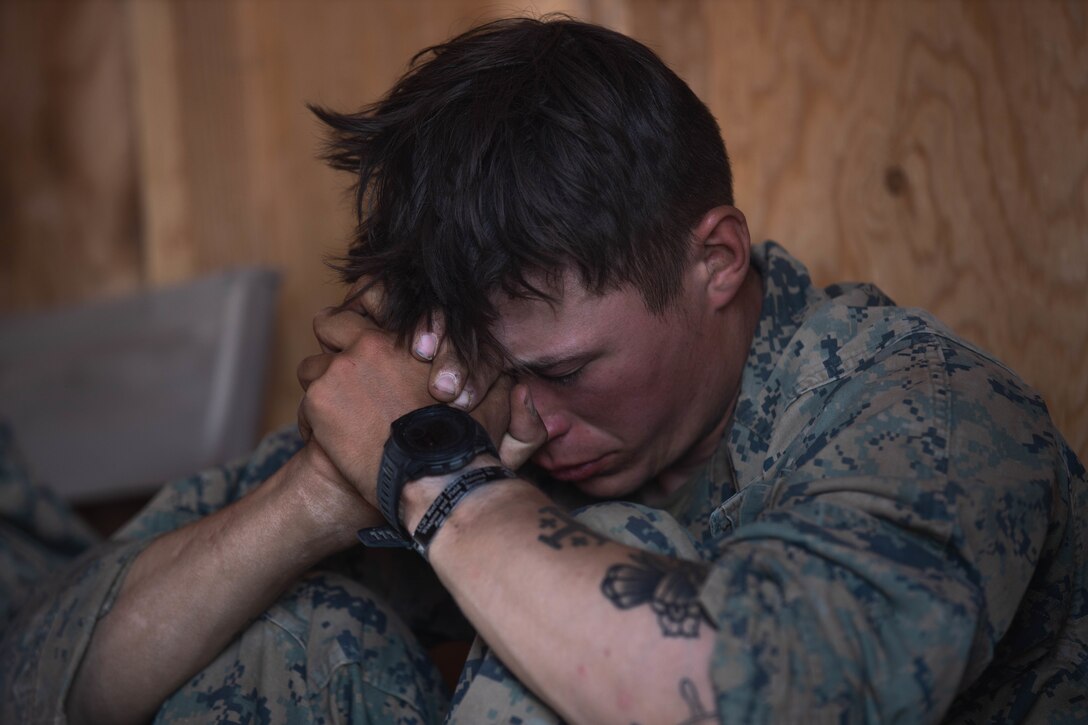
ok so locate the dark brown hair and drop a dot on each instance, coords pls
(516, 151)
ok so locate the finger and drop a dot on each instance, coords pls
(338, 329)
(479, 384)
(526, 432)
(427, 336)
(311, 368)
(305, 430)
(449, 377)
(493, 411)
(367, 298)
(318, 323)
(451, 381)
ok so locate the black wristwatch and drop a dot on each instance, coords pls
(430, 441)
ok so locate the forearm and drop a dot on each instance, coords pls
(191, 591)
(546, 614)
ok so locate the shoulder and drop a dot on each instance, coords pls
(896, 382)
(845, 364)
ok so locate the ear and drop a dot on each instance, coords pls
(722, 249)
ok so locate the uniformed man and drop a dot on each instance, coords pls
(804, 504)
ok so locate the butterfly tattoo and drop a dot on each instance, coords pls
(669, 586)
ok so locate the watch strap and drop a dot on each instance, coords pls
(391, 482)
(383, 537)
(386, 537)
(397, 469)
(447, 500)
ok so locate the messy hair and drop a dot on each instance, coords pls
(514, 153)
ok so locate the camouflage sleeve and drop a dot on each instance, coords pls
(39, 532)
(193, 498)
(43, 646)
(902, 513)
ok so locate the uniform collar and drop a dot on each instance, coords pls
(788, 294)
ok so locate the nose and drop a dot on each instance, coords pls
(556, 420)
(556, 425)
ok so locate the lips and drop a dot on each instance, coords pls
(577, 471)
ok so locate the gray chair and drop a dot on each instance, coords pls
(111, 399)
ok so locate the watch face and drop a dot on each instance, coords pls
(434, 433)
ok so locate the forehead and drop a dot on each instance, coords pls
(576, 322)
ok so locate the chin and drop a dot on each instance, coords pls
(604, 485)
(612, 486)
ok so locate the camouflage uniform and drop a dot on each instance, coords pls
(329, 650)
(894, 525)
(897, 530)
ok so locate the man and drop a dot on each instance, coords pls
(815, 504)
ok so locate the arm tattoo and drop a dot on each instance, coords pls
(699, 714)
(670, 586)
(565, 530)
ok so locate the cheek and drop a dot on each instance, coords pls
(630, 403)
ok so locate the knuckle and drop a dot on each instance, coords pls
(320, 323)
(304, 430)
(305, 408)
(339, 367)
(320, 389)
(369, 341)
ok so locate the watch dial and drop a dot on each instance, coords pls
(434, 434)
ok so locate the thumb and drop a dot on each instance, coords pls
(526, 432)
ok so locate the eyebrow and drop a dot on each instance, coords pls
(547, 363)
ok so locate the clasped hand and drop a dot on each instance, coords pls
(362, 381)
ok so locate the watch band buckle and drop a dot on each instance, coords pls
(385, 537)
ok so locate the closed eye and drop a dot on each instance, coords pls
(564, 379)
(548, 369)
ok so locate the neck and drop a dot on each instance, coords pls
(735, 340)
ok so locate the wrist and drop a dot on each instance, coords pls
(482, 516)
(324, 506)
(418, 495)
(429, 442)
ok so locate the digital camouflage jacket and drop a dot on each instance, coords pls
(898, 530)
(895, 527)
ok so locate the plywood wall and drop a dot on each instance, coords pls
(939, 149)
(68, 203)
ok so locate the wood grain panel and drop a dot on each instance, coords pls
(939, 149)
(166, 232)
(68, 208)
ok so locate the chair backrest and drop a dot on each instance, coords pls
(117, 397)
